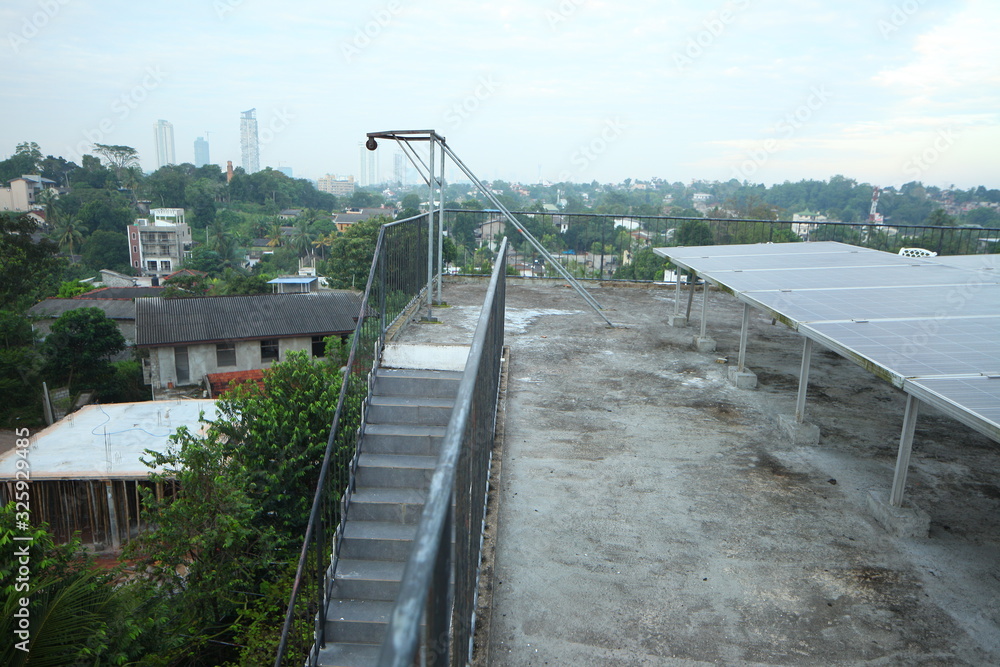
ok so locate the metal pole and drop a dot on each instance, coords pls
(905, 447)
(441, 231)
(677, 290)
(743, 337)
(800, 401)
(691, 289)
(430, 233)
(704, 310)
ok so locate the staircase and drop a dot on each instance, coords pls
(407, 418)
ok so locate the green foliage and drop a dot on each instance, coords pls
(351, 254)
(693, 233)
(123, 384)
(72, 288)
(29, 271)
(107, 250)
(645, 265)
(20, 369)
(186, 286)
(79, 347)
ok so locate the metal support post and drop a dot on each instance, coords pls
(691, 289)
(677, 291)
(704, 311)
(430, 234)
(905, 447)
(800, 400)
(441, 230)
(743, 338)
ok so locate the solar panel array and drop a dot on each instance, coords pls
(929, 325)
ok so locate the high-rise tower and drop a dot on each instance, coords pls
(249, 144)
(163, 135)
(201, 152)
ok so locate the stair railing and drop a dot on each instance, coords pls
(396, 284)
(435, 610)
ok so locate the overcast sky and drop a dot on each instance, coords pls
(764, 90)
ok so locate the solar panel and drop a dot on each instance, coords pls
(915, 348)
(934, 302)
(929, 325)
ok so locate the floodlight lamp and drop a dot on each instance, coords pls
(371, 144)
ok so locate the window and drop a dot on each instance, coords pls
(225, 354)
(268, 350)
(135, 248)
(318, 346)
(151, 265)
(165, 265)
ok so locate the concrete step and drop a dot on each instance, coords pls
(377, 540)
(398, 470)
(357, 621)
(431, 384)
(410, 410)
(387, 504)
(367, 579)
(402, 439)
(349, 655)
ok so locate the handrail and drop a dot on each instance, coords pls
(430, 559)
(315, 530)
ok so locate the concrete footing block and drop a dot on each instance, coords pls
(802, 433)
(899, 521)
(742, 379)
(704, 344)
(677, 320)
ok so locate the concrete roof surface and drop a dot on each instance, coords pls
(106, 441)
(650, 513)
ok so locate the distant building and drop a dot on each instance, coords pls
(201, 157)
(157, 247)
(355, 215)
(399, 168)
(336, 185)
(20, 193)
(163, 135)
(188, 339)
(287, 171)
(368, 166)
(249, 143)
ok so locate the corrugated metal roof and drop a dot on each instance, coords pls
(121, 292)
(116, 309)
(162, 321)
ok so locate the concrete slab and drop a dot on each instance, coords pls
(704, 344)
(899, 521)
(742, 379)
(798, 433)
(677, 320)
(418, 356)
(652, 514)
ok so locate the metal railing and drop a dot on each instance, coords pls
(439, 583)
(619, 236)
(396, 280)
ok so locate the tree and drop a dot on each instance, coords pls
(940, 218)
(30, 150)
(694, 232)
(69, 235)
(301, 237)
(72, 288)
(351, 254)
(28, 270)
(49, 198)
(80, 345)
(118, 157)
(106, 250)
(20, 365)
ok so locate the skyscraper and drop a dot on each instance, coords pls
(399, 168)
(369, 166)
(163, 135)
(201, 152)
(249, 144)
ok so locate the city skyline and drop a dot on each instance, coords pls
(580, 90)
(163, 134)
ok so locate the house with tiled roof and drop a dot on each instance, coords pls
(189, 339)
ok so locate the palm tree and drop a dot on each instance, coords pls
(302, 238)
(48, 198)
(274, 237)
(324, 241)
(216, 235)
(69, 235)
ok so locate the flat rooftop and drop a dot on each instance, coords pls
(107, 441)
(650, 513)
